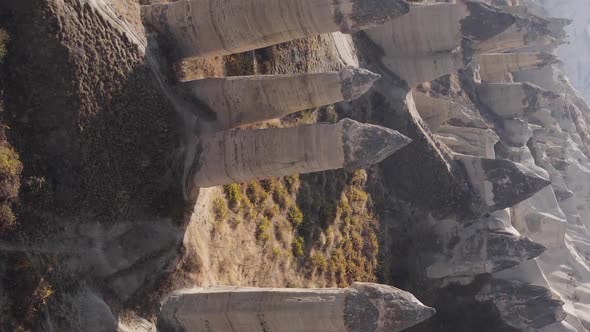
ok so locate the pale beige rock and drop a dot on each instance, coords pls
(208, 28)
(362, 307)
(501, 183)
(514, 38)
(241, 100)
(422, 45)
(245, 155)
(436, 111)
(494, 66)
(512, 100)
(471, 141)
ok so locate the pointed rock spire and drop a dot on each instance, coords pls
(495, 66)
(210, 28)
(241, 100)
(244, 155)
(478, 247)
(362, 307)
(523, 306)
(422, 45)
(512, 100)
(501, 183)
(366, 144)
(397, 309)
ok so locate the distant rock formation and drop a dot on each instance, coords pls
(536, 306)
(245, 155)
(241, 100)
(205, 28)
(494, 67)
(512, 100)
(363, 307)
(424, 44)
(478, 247)
(501, 183)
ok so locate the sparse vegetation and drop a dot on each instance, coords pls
(220, 209)
(233, 193)
(263, 232)
(4, 39)
(295, 216)
(298, 246)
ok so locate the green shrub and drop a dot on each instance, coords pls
(220, 209)
(233, 193)
(268, 185)
(10, 165)
(256, 193)
(263, 229)
(298, 246)
(295, 216)
(319, 261)
(292, 183)
(281, 196)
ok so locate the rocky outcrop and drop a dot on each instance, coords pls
(495, 67)
(478, 247)
(362, 307)
(244, 155)
(205, 28)
(241, 100)
(501, 183)
(424, 44)
(523, 306)
(512, 100)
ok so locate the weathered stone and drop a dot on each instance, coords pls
(511, 100)
(478, 247)
(422, 45)
(436, 111)
(471, 141)
(525, 307)
(81, 310)
(241, 100)
(501, 183)
(208, 28)
(510, 33)
(494, 66)
(364, 307)
(245, 155)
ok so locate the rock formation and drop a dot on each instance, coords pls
(478, 247)
(205, 28)
(241, 100)
(493, 67)
(362, 307)
(501, 183)
(244, 155)
(422, 45)
(537, 306)
(511, 100)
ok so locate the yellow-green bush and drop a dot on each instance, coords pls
(233, 193)
(295, 216)
(263, 230)
(220, 209)
(319, 261)
(298, 246)
(281, 196)
(256, 193)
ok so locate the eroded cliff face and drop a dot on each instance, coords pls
(483, 216)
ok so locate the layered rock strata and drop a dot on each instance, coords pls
(244, 155)
(494, 67)
(362, 307)
(241, 100)
(205, 28)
